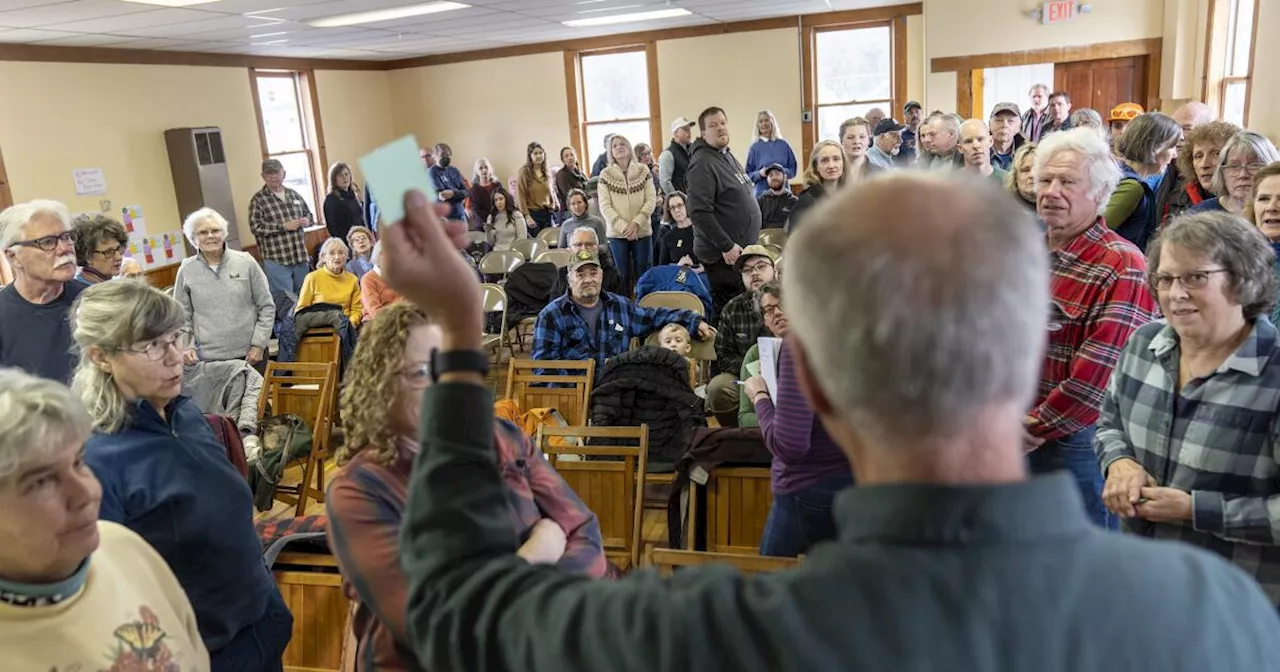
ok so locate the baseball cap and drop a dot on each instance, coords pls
(910, 104)
(754, 251)
(1125, 112)
(775, 166)
(887, 125)
(272, 166)
(1011, 108)
(680, 123)
(582, 258)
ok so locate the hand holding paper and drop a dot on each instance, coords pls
(392, 171)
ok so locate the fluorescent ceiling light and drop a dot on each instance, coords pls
(267, 43)
(386, 14)
(257, 37)
(627, 18)
(172, 3)
(605, 9)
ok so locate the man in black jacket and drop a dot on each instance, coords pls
(777, 202)
(722, 205)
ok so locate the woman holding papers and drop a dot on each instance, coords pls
(808, 467)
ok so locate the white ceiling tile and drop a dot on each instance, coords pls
(85, 40)
(62, 12)
(198, 46)
(123, 24)
(203, 24)
(27, 35)
(157, 43)
(6, 5)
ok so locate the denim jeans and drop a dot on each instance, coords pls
(633, 258)
(258, 647)
(287, 279)
(801, 519)
(1075, 454)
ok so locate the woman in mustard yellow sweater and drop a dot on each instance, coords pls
(333, 283)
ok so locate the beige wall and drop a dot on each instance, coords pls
(492, 108)
(1264, 108)
(355, 112)
(768, 77)
(113, 117)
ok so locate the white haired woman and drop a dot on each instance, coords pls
(1187, 438)
(360, 240)
(166, 476)
(59, 610)
(224, 293)
(768, 149)
(1146, 147)
(333, 283)
(1244, 155)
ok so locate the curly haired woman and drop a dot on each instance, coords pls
(381, 398)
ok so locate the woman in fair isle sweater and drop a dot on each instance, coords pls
(627, 199)
(76, 593)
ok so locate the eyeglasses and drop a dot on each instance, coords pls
(49, 243)
(770, 310)
(113, 252)
(1192, 280)
(418, 375)
(1250, 168)
(155, 350)
(756, 268)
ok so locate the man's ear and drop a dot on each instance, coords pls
(11, 256)
(808, 383)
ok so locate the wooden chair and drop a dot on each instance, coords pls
(307, 390)
(320, 345)
(678, 300)
(573, 396)
(700, 357)
(612, 488)
(550, 237)
(500, 262)
(737, 504)
(560, 258)
(776, 237)
(312, 590)
(529, 247)
(494, 300)
(667, 560)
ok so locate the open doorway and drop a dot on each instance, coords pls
(1011, 84)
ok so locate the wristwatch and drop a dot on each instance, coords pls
(443, 362)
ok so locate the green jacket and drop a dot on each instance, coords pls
(750, 367)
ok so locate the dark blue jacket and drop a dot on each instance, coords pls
(675, 278)
(1144, 221)
(171, 482)
(450, 179)
(763, 154)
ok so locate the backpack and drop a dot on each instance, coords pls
(285, 438)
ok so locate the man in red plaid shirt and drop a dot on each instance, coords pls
(1099, 296)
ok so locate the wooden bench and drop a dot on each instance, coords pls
(572, 399)
(737, 505)
(667, 560)
(312, 589)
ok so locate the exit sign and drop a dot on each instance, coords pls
(1058, 11)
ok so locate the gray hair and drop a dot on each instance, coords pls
(199, 217)
(1146, 136)
(14, 220)
(37, 417)
(1263, 150)
(594, 236)
(113, 316)
(334, 242)
(776, 134)
(949, 122)
(1232, 243)
(1095, 155)
(1086, 116)
(772, 288)
(92, 229)
(917, 339)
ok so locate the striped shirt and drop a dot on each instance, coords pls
(803, 453)
(1099, 296)
(267, 216)
(366, 503)
(1218, 438)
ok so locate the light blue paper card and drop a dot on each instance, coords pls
(392, 171)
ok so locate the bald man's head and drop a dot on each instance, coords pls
(1192, 114)
(920, 307)
(975, 143)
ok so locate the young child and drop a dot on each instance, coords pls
(675, 337)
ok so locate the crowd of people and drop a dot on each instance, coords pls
(1088, 299)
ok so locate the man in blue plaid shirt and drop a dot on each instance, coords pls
(587, 323)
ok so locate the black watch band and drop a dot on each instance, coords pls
(443, 362)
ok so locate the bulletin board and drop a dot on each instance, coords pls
(151, 249)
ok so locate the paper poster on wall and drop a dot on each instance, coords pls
(134, 222)
(164, 249)
(89, 181)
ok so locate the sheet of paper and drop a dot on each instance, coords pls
(392, 171)
(89, 181)
(770, 348)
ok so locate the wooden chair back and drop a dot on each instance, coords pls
(738, 501)
(550, 237)
(320, 345)
(530, 248)
(560, 258)
(571, 396)
(309, 391)
(667, 560)
(500, 262)
(613, 488)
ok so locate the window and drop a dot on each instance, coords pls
(854, 73)
(287, 126)
(1238, 61)
(615, 99)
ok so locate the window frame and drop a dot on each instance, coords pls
(1219, 55)
(579, 124)
(312, 132)
(887, 103)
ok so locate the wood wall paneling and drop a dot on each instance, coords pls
(573, 94)
(656, 133)
(1089, 52)
(964, 93)
(48, 54)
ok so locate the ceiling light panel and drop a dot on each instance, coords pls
(628, 18)
(388, 14)
(171, 3)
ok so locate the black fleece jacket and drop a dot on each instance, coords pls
(722, 202)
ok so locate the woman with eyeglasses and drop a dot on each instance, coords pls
(1187, 433)
(166, 476)
(381, 405)
(100, 247)
(1243, 156)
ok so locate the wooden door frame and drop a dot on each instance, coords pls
(966, 66)
(6, 200)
